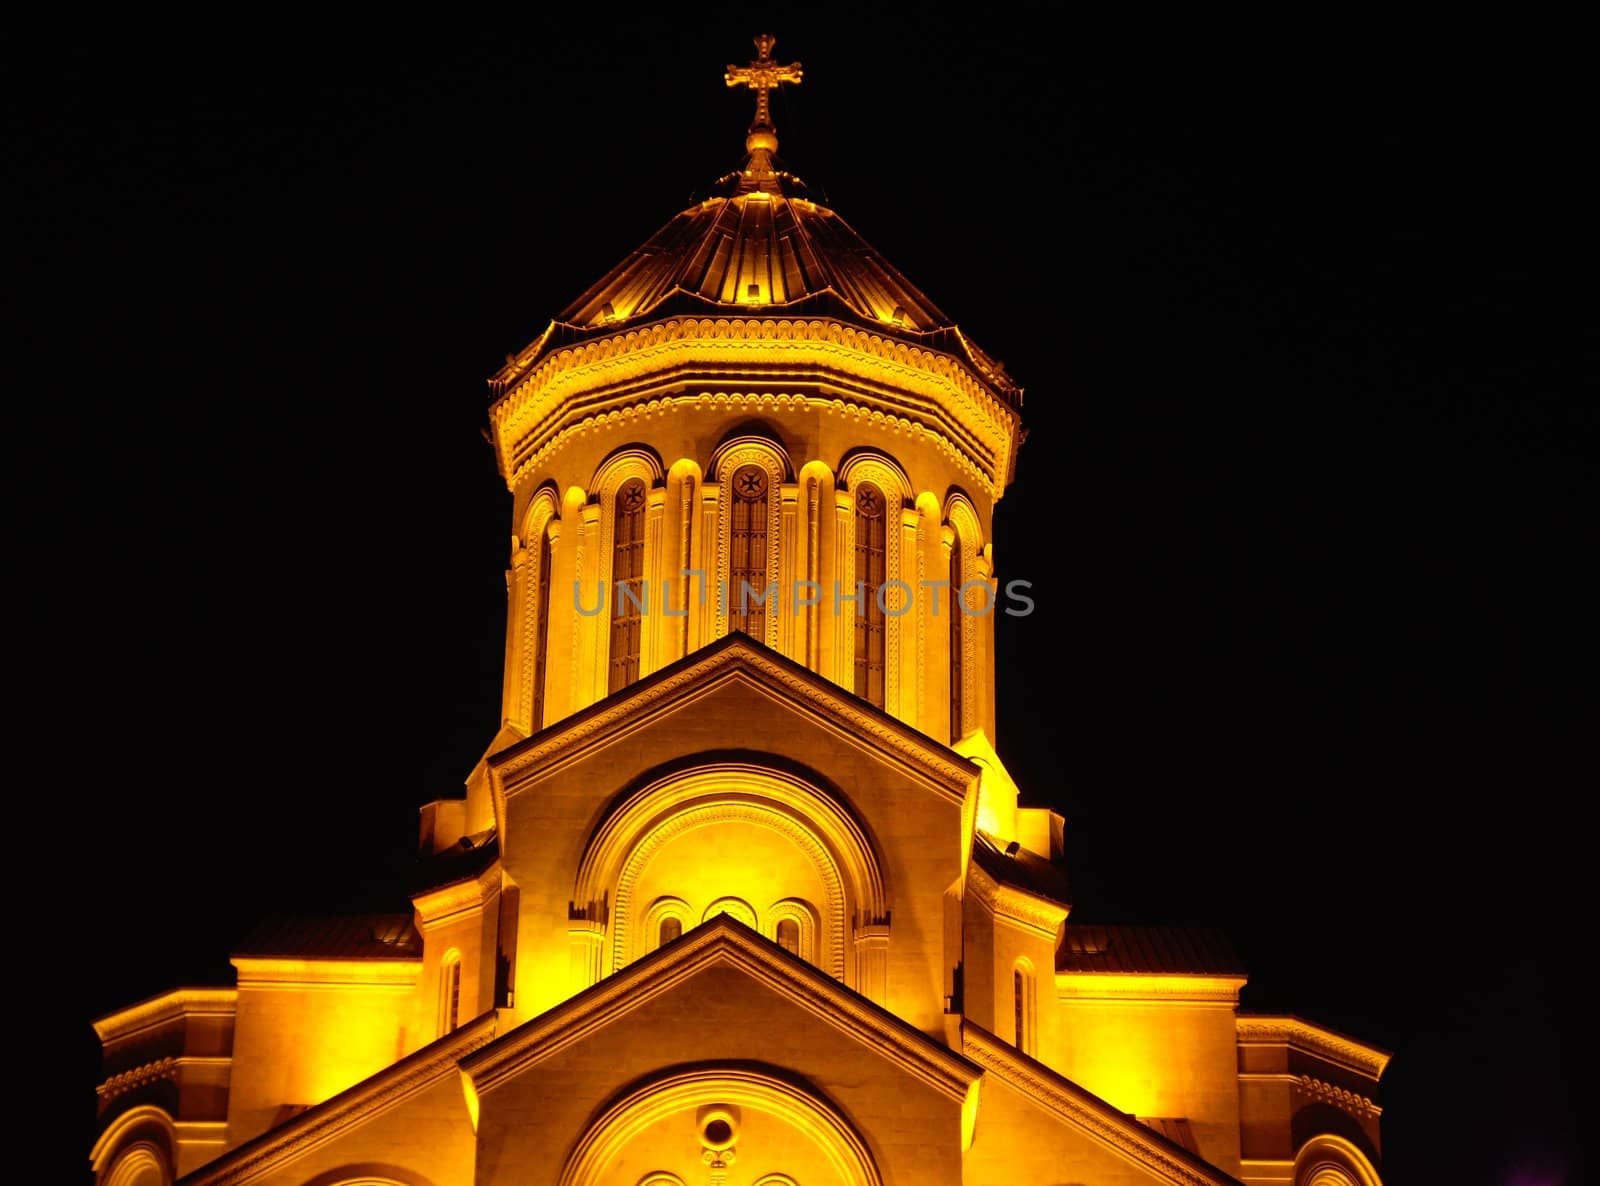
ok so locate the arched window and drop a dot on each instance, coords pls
(449, 992)
(541, 630)
(1022, 1013)
(958, 616)
(747, 552)
(671, 928)
(627, 576)
(788, 935)
(871, 554)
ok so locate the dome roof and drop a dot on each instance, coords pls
(759, 246)
(762, 251)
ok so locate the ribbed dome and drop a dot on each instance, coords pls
(757, 247)
(757, 250)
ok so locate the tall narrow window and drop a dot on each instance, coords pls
(1022, 1010)
(449, 992)
(958, 615)
(1017, 1010)
(671, 928)
(627, 577)
(747, 552)
(788, 935)
(541, 629)
(871, 553)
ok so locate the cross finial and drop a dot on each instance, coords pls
(762, 76)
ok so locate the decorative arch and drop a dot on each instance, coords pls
(799, 810)
(541, 527)
(815, 494)
(770, 458)
(870, 467)
(735, 908)
(804, 916)
(1024, 1008)
(616, 471)
(682, 539)
(449, 991)
(1327, 1160)
(660, 910)
(141, 1141)
(143, 1163)
(966, 545)
(744, 1087)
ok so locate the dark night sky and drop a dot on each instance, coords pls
(1300, 426)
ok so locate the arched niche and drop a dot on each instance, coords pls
(870, 468)
(796, 817)
(767, 458)
(1328, 1160)
(658, 1123)
(138, 1148)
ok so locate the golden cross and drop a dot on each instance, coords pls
(761, 76)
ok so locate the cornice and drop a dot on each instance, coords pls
(1039, 915)
(845, 368)
(1353, 1102)
(1086, 987)
(1088, 1113)
(169, 1006)
(665, 691)
(1358, 1105)
(435, 907)
(1310, 1038)
(334, 1117)
(161, 1068)
(728, 943)
(273, 973)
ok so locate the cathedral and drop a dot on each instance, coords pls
(740, 893)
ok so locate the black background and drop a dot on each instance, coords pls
(1300, 499)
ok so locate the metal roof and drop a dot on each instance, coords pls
(1203, 951)
(354, 936)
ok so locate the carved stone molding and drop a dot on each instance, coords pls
(912, 389)
(1357, 1105)
(1038, 915)
(1314, 1039)
(802, 687)
(723, 941)
(150, 1072)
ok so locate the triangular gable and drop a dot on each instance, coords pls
(736, 657)
(722, 942)
(1088, 1114)
(341, 1114)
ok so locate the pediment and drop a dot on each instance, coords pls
(764, 684)
(686, 990)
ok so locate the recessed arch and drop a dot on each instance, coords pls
(803, 916)
(750, 455)
(540, 528)
(664, 909)
(755, 1089)
(145, 1125)
(866, 470)
(142, 1163)
(797, 809)
(1327, 1160)
(735, 908)
(965, 543)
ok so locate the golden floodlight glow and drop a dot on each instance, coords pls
(740, 894)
